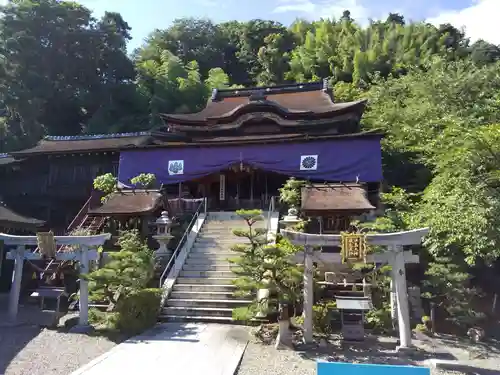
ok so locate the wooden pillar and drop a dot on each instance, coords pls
(399, 275)
(251, 186)
(17, 277)
(308, 294)
(265, 197)
(2, 255)
(84, 287)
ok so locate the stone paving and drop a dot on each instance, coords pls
(179, 348)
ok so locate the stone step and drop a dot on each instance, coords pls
(210, 252)
(207, 303)
(219, 244)
(222, 274)
(203, 261)
(196, 294)
(212, 255)
(225, 267)
(217, 235)
(224, 229)
(197, 318)
(198, 311)
(220, 248)
(204, 288)
(205, 280)
(222, 240)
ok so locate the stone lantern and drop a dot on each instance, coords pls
(291, 219)
(163, 236)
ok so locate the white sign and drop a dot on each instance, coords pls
(309, 162)
(175, 167)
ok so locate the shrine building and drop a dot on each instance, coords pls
(237, 151)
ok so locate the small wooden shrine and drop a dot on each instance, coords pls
(335, 205)
(11, 221)
(131, 209)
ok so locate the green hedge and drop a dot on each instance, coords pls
(138, 311)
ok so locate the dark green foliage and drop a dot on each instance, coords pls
(262, 265)
(125, 273)
(323, 314)
(138, 311)
(93, 87)
(448, 286)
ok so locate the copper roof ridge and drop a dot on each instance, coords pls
(290, 87)
(95, 136)
(284, 138)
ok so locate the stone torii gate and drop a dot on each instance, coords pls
(85, 251)
(395, 256)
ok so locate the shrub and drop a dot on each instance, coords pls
(138, 311)
(322, 317)
(379, 319)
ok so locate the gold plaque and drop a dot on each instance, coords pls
(353, 247)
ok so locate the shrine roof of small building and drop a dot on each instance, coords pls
(86, 143)
(10, 218)
(335, 197)
(129, 202)
(294, 101)
(6, 159)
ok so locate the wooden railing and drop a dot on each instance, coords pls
(95, 197)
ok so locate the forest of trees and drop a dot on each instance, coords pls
(435, 94)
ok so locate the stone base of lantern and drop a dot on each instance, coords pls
(163, 255)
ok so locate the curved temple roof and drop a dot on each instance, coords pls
(298, 101)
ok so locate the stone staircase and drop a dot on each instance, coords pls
(204, 289)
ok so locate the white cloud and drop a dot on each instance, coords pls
(480, 20)
(303, 6)
(325, 8)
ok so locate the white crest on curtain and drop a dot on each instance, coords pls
(308, 162)
(175, 167)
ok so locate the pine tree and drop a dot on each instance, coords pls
(127, 271)
(263, 265)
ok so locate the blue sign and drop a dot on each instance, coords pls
(341, 368)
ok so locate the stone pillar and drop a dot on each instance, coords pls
(415, 298)
(393, 300)
(17, 277)
(83, 321)
(308, 294)
(399, 274)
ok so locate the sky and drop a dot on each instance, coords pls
(478, 17)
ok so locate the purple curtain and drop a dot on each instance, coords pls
(343, 159)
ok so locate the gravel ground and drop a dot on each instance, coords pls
(265, 360)
(31, 350)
